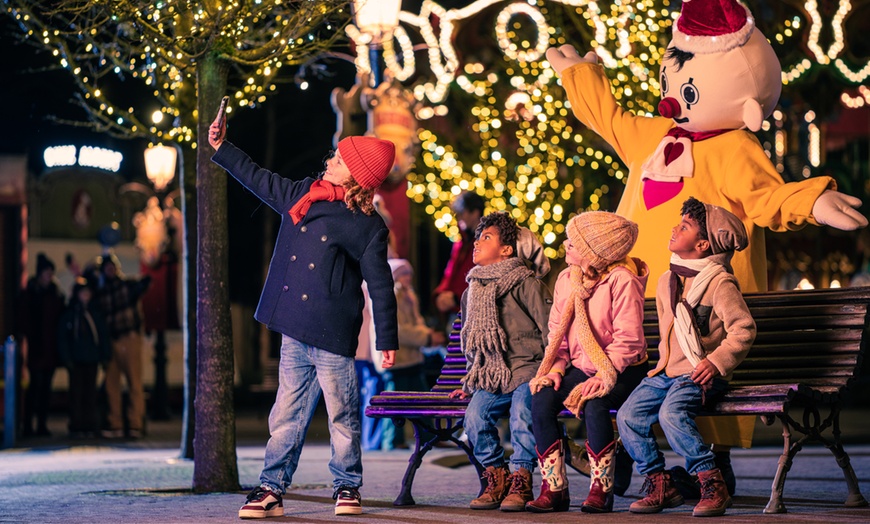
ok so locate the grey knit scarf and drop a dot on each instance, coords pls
(483, 339)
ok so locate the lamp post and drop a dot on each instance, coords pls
(376, 21)
(160, 164)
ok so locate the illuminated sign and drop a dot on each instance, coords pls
(87, 156)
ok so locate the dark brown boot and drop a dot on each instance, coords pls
(660, 494)
(714, 495)
(600, 498)
(554, 485)
(519, 492)
(496, 488)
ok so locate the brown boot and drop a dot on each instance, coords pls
(660, 494)
(519, 492)
(554, 485)
(496, 488)
(602, 468)
(714, 494)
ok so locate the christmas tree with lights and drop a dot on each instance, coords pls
(509, 134)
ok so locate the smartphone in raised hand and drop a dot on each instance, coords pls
(222, 110)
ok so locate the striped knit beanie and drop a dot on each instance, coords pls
(602, 237)
(369, 159)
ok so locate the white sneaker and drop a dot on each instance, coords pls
(262, 503)
(347, 501)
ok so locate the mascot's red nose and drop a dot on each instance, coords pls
(669, 107)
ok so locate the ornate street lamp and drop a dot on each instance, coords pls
(160, 165)
(160, 162)
(376, 20)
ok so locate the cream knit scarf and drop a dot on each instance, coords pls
(685, 325)
(575, 310)
(483, 338)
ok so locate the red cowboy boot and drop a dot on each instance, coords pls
(600, 498)
(554, 486)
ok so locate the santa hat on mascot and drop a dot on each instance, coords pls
(718, 26)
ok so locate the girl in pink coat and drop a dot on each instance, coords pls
(595, 357)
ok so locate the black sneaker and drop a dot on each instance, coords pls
(262, 503)
(347, 501)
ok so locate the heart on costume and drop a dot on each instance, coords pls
(673, 152)
(656, 193)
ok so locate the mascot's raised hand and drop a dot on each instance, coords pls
(561, 58)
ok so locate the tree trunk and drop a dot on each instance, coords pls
(215, 466)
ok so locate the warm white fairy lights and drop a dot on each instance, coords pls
(531, 160)
(161, 44)
(835, 49)
(854, 102)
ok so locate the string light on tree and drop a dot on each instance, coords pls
(158, 44)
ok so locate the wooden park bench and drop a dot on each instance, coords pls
(808, 351)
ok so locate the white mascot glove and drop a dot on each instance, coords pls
(839, 210)
(563, 57)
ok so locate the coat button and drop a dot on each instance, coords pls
(311, 266)
(285, 288)
(323, 238)
(304, 297)
(293, 258)
(304, 229)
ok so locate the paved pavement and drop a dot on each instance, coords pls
(56, 480)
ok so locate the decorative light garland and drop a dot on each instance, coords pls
(160, 44)
(541, 178)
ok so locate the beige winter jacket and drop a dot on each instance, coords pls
(726, 334)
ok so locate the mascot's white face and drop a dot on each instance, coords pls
(729, 90)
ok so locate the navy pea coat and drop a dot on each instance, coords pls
(313, 292)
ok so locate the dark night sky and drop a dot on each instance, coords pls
(305, 120)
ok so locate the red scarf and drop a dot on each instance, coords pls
(320, 190)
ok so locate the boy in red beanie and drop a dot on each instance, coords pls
(330, 240)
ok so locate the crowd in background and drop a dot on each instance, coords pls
(98, 327)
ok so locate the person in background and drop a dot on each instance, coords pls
(119, 300)
(68, 275)
(83, 345)
(40, 307)
(468, 207)
(407, 374)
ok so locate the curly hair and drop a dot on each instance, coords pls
(697, 212)
(507, 228)
(358, 197)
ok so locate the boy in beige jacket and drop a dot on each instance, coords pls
(706, 331)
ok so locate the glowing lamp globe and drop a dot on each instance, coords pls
(377, 18)
(160, 165)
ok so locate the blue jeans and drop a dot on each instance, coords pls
(481, 425)
(673, 403)
(304, 372)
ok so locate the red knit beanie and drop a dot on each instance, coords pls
(369, 159)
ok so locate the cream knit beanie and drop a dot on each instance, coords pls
(602, 237)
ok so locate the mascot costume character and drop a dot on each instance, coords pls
(719, 80)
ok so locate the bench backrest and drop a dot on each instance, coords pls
(815, 338)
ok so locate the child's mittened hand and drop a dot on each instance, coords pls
(458, 393)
